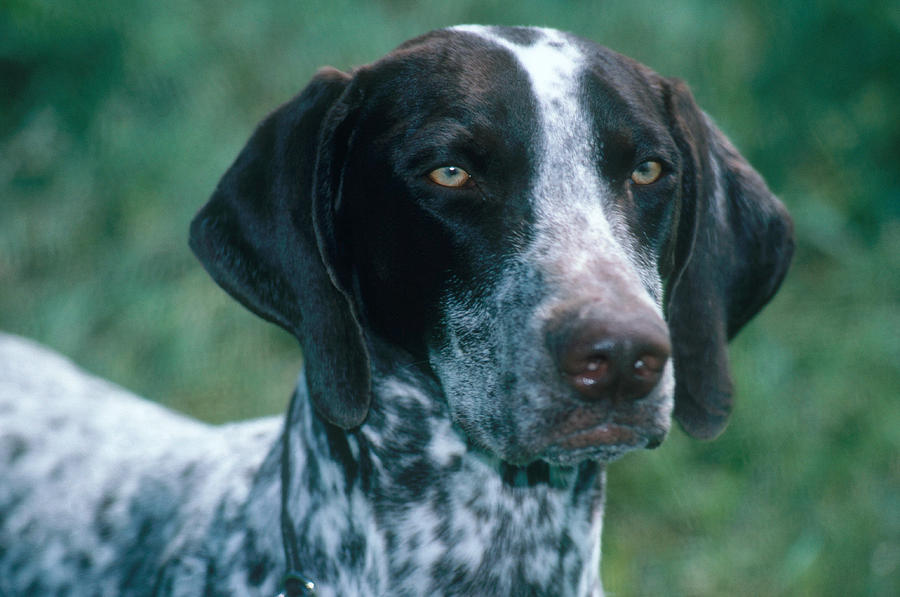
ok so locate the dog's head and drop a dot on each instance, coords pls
(558, 234)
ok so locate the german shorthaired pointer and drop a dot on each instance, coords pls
(508, 253)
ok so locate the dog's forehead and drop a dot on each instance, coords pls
(451, 73)
(486, 61)
(493, 78)
(505, 75)
(552, 59)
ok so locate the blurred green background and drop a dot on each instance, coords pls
(118, 117)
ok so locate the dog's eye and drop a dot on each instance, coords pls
(450, 176)
(647, 173)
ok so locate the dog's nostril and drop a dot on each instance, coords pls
(575, 362)
(596, 364)
(649, 366)
(589, 371)
(646, 371)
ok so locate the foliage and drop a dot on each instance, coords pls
(117, 118)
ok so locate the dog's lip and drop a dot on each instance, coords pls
(603, 442)
(604, 434)
(590, 426)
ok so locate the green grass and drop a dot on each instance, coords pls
(117, 118)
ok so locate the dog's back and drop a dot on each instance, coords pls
(99, 489)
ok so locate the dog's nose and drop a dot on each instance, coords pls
(617, 358)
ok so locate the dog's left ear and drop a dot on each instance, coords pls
(259, 238)
(735, 241)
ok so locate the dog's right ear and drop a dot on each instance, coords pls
(735, 247)
(256, 238)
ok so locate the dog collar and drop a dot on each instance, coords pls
(297, 585)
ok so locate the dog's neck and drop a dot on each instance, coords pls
(404, 505)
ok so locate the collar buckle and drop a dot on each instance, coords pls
(297, 585)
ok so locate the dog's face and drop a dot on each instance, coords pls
(525, 212)
(489, 196)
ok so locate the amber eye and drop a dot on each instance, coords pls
(450, 176)
(647, 172)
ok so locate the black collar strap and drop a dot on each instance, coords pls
(295, 583)
(538, 472)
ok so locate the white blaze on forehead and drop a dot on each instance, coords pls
(553, 65)
(573, 232)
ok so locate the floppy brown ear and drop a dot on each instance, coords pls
(256, 238)
(735, 242)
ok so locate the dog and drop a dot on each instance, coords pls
(510, 255)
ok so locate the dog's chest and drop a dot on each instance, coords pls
(417, 518)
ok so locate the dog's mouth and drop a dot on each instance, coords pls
(556, 464)
(601, 443)
(603, 434)
(604, 442)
